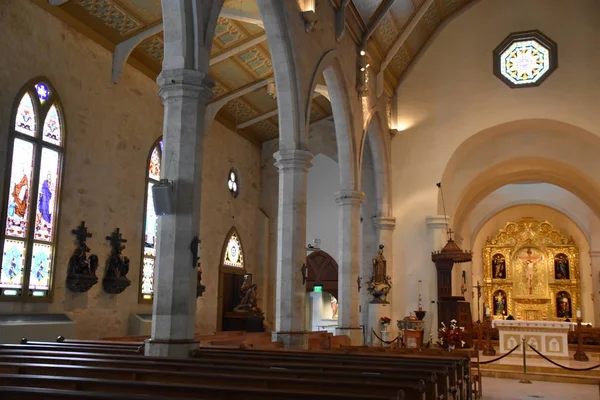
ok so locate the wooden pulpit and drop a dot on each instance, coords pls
(455, 307)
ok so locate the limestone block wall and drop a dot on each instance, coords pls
(109, 131)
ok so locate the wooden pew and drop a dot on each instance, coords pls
(429, 378)
(237, 359)
(126, 389)
(34, 393)
(182, 385)
(307, 370)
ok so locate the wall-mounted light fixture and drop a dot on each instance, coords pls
(361, 73)
(309, 14)
(271, 89)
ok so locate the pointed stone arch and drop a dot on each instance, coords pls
(322, 269)
(375, 135)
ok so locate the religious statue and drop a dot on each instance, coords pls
(115, 279)
(200, 288)
(499, 266)
(334, 307)
(380, 284)
(530, 262)
(248, 304)
(563, 305)
(500, 303)
(81, 271)
(561, 267)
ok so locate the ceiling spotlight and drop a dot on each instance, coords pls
(367, 66)
(362, 53)
(362, 69)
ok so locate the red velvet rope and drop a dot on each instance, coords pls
(384, 341)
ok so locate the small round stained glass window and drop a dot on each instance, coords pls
(233, 183)
(525, 59)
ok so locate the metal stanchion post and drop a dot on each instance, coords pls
(580, 354)
(524, 380)
(489, 349)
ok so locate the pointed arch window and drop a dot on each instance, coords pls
(32, 196)
(146, 291)
(233, 255)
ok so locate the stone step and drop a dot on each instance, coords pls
(563, 377)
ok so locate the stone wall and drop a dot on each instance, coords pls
(109, 131)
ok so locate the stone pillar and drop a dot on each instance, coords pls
(588, 315)
(437, 226)
(290, 307)
(349, 203)
(185, 94)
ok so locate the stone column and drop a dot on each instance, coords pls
(185, 94)
(290, 307)
(349, 203)
(588, 315)
(384, 228)
(437, 226)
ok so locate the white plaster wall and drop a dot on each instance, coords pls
(110, 129)
(539, 213)
(321, 209)
(451, 94)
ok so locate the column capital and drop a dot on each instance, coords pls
(384, 223)
(344, 197)
(292, 159)
(188, 83)
(437, 221)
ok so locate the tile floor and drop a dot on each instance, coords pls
(508, 389)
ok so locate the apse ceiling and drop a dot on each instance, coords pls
(240, 52)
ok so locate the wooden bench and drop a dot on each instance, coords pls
(313, 363)
(283, 369)
(128, 388)
(34, 393)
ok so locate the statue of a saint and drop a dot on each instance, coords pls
(380, 284)
(379, 267)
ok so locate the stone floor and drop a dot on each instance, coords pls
(507, 389)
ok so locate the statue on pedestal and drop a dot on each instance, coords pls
(81, 272)
(380, 284)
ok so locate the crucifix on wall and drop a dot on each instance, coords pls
(530, 260)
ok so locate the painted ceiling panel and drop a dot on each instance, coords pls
(154, 47)
(386, 32)
(243, 5)
(231, 74)
(261, 100)
(366, 8)
(111, 15)
(402, 10)
(150, 11)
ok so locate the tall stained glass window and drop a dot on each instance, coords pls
(32, 196)
(146, 291)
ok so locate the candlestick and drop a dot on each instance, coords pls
(578, 313)
(420, 296)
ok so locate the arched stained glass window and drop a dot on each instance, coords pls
(146, 291)
(32, 196)
(234, 255)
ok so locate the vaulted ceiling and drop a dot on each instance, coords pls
(240, 52)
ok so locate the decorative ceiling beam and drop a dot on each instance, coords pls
(266, 115)
(400, 42)
(382, 9)
(57, 2)
(251, 87)
(323, 91)
(238, 49)
(123, 50)
(241, 15)
(258, 118)
(340, 20)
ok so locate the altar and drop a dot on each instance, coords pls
(548, 337)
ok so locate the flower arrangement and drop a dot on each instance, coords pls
(385, 320)
(450, 337)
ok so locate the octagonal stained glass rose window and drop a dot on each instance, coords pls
(525, 59)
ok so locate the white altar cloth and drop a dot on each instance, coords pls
(548, 337)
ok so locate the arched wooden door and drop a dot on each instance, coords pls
(322, 270)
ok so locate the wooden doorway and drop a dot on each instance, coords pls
(322, 270)
(231, 275)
